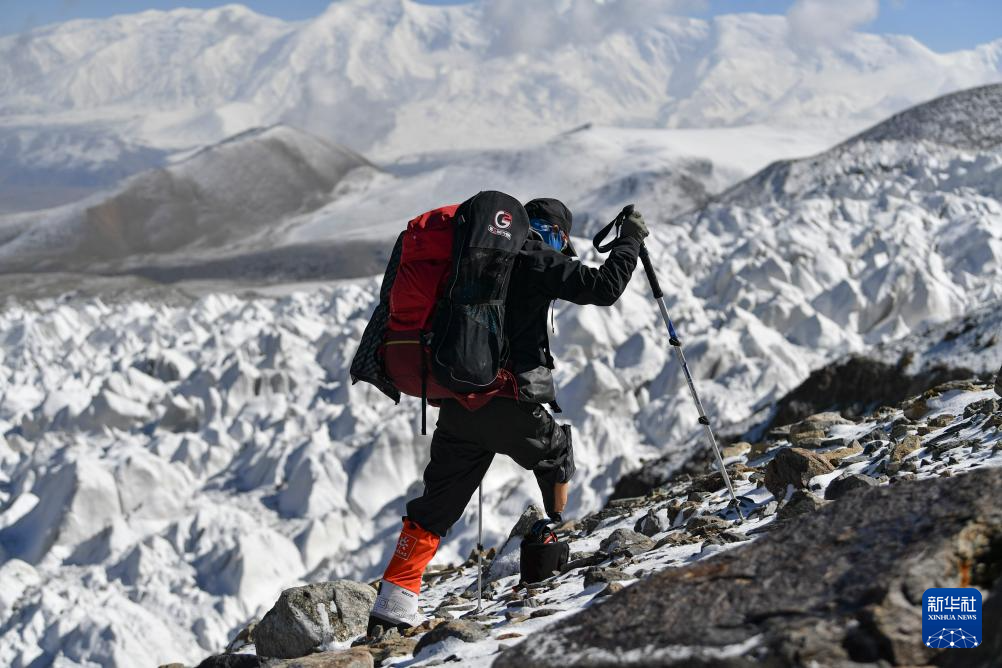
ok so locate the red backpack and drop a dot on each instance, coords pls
(438, 330)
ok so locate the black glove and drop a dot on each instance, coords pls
(634, 227)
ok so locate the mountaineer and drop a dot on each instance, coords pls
(465, 442)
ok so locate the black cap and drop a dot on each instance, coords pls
(555, 212)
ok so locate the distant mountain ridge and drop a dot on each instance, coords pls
(396, 76)
(217, 199)
(966, 121)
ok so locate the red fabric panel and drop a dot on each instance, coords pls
(425, 263)
(415, 548)
(401, 354)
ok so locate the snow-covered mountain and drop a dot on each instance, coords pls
(166, 468)
(278, 204)
(391, 77)
(219, 199)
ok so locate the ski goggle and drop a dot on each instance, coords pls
(549, 233)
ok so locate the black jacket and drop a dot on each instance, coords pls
(541, 275)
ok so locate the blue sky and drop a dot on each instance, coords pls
(943, 25)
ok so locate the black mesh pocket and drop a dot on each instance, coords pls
(482, 277)
(468, 353)
(469, 357)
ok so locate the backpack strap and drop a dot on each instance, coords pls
(424, 389)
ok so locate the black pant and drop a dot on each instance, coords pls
(464, 444)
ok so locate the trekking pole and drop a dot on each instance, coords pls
(480, 550)
(652, 278)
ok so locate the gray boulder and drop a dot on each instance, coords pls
(304, 618)
(840, 587)
(627, 541)
(800, 503)
(848, 483)
(605, 575)
(706, 525)
(461, 629)
(652, 523)
(811, 431)
(905, 447)
(793, 466)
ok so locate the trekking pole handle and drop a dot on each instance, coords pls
(604, 232)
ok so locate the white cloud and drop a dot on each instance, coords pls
(532, 25)
(824, 22)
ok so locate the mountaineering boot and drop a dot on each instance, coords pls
(397, 602)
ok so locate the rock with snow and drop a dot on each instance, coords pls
(458, 629)
(801, 502)
(596, 575)
(814, 428)
(706, 525)
(306, 618)
(652, 523)
(796, 467)
(848, 484)
(834, 457)
(391, 644)
(856, 383)
(626, 541)
(802, 589)
(904, 447)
